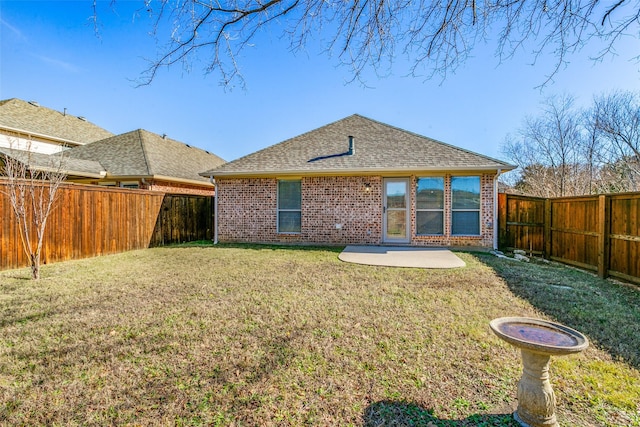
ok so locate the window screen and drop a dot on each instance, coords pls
(465, 205)
(289, 206)
(430, 206)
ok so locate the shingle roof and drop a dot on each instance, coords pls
(30, 118)
(378, 148)
(56, 162)
(146, 154)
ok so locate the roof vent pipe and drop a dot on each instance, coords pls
(352, 148)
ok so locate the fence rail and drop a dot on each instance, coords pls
(599, 233)
(88, 221)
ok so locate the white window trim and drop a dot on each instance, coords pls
(442, 210)
(278, 210)
(479, 210)
(130, 184)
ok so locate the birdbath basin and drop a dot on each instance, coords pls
(538, 340)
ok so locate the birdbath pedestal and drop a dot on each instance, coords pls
(538, 340)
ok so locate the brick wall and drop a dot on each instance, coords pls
(340, 210)
(247, 210)
(178, 188)
(156, 185)
(335, 210)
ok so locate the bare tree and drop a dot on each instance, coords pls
(436, 36)
(32, 183)
(616, 121)
(567, 151)
(549, 151)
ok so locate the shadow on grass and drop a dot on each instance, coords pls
(390, 413)
(25, 277)
(257, 246)
(9, 320)
(606, 311)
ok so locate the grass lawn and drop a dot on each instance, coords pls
(246, 336)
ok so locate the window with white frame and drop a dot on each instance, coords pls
(430, 206)
(130, 184)
(465, 205)
(289, 206)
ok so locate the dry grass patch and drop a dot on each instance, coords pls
(278, 336)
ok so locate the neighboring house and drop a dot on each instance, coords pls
(28, 126)
(142, 159)
(56, 163)
(48, 139)
(359, 181)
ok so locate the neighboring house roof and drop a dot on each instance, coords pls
(378, 147)
(147, 155)
(56, 163)
(29, 118)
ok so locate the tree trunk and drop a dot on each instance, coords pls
(35, 266)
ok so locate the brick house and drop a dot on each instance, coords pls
(45, 138)
(143, 159)
(25, 125)
(359, 181)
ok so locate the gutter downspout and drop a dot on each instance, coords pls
(495, 210)
(215, 210)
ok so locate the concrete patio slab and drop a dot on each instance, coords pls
(397, 256)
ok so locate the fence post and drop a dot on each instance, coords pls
(603, 235)
(546, 244)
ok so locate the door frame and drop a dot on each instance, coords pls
(385, 238)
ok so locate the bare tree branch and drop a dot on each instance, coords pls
(565, 151)
(610, 10)
(32, 187)
(436, 36)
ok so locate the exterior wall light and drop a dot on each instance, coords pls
(367, 187)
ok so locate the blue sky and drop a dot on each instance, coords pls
(50, 53)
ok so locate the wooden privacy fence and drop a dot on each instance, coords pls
(599, 233)
(88, 221)
(183, 218)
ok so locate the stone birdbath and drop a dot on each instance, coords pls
(538, 340)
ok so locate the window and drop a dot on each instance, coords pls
(430, 206)
(465, 205)
(130, 184)
(289, 206)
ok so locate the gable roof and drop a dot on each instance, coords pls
(55, 162)
(145, 154)
(378, 148)
(29, 118)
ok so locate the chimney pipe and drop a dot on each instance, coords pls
(352, 148)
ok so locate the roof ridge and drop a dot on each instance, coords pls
(144, 149)
(5, 101)
(167, 139)
(64, 113)
(375, 153)
(61, 127)
(295, 137)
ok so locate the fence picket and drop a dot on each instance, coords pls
(600, 233)
(88, 221)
